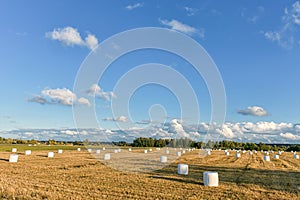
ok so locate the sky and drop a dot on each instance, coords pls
(254, 45)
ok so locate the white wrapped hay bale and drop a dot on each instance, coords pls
(157, 149)
(208, 152)
(50, 154)
(163, 159)
(103, 148)
(150, 150)
(266, 153)
(89, 150)
(296, 156)
(28, 152)
(244, 151)
(116, 151)
(178, 153)
(119, 150)
(13, 158)
(129, 149)
(267, 158)
(60, 151)
(255, 151)
(211, 179)
(167, 151)
(250, 153)
(183, 169)
(238, 155)
(279, 152)
(106, 156)
(276, 156)
(14, 150)
(98, 151)
(183, 152)
(227, 153)
(145, 151)
(78, 149)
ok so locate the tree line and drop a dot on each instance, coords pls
(176, 143)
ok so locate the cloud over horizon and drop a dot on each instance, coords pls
(268, 132)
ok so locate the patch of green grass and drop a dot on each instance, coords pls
(23, 147)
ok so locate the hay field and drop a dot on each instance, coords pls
(78, 175)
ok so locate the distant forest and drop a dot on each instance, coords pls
(178, 143)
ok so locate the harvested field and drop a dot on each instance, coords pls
(78, 175)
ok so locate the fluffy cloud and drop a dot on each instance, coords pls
(84, 101)
(269, 132)
(181, 27)
(254, 111)
(285, 36)
(290, 136)
(95, 90)
(62, 96)
(225, 131)
(134, 6)
(116, 119)
(177, 128)
(70, 36)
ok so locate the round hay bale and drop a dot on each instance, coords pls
(211, 179)
(163, 159)
(106, 156)
(28, 152)
(183, 169)
(267, 158)
(50, 154)
(13, 158)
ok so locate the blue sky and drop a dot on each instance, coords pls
(255, 46)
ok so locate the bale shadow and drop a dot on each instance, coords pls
(3, 159)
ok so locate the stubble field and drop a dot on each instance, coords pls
(78, 175)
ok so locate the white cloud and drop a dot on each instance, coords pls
(177, 128)
(84, 101)
(285, 36)
(116, 119)
(70, 36)
(98, 92)
(134, 6)
(270, 132)
(290, 136)
(225, 131)
(61, 96)
(254, 111)
(91, 41)
(184, 28)
(190, 11)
